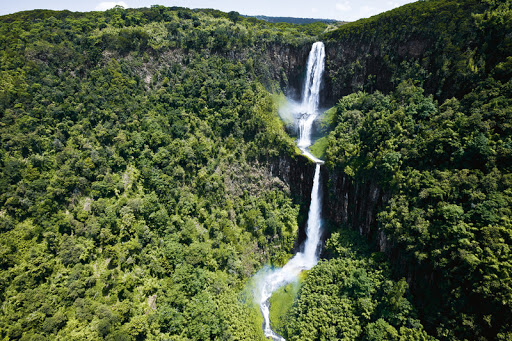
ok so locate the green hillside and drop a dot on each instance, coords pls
(445, 165)
(135, 200)
(446, 47)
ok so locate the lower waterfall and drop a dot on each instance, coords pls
(304, 260)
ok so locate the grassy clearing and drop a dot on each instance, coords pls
(281, 102)
(319, 147)
(282, 301)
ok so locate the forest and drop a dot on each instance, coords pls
(126, 138)
(444, 163)
(139, 196)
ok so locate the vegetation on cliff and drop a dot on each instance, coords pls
(447, 47)
(134, 196)
(447, 167)
(350, 295)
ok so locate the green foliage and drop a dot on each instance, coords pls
(445, 167)
(135, 197)
(319, 147)
(447, 171)
(445, 46)
(350, 297)
(281, 302)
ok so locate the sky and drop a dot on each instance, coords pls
(346, 10)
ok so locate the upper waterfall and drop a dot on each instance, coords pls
(311, 97)
(315, 70)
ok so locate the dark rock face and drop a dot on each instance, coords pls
(354, 64)
(354, 204)
(344, 202)
(351, 65)
(288, 66)
(297, 172)
(278, 64)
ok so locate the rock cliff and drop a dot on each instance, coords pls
(354, 204)
(297, 172)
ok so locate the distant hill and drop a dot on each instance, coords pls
(292, 20)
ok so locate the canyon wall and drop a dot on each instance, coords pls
(439, 50)
(354, 204)
(297, 172)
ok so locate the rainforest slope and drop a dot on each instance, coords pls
(435, 143)
(135, 192)
(138, 154)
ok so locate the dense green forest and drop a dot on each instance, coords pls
(350, 296)
(292, 20)
(447, 167)
(137, 198)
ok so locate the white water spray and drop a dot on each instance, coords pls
(307, 258)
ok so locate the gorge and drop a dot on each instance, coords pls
(146, 176)
(308, 256)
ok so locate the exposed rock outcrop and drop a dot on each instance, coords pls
(297, 172)
(287, 65)
(354, 204)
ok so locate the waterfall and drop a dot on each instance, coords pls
(311, 94)
(308, 257)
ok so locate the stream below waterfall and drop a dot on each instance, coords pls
(308, 256)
